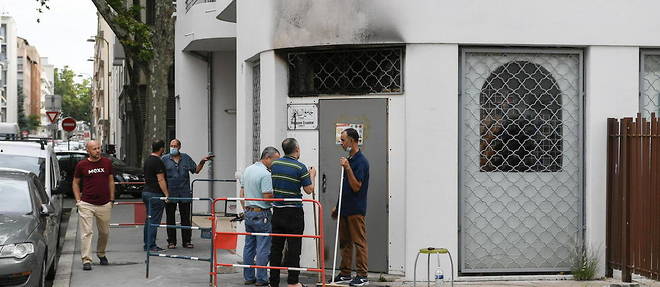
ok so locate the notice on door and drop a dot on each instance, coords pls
(302, 116)
(340, 127)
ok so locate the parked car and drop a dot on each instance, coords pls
(36, 156)
(128, 179)
(29, 230)
(9, 131)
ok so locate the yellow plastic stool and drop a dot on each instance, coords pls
(428, 251)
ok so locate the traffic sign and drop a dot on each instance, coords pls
(53, 102)
(52, 116)
(69, 124)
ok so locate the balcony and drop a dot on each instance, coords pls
(190, 3)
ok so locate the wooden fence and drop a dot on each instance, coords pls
(633, 197)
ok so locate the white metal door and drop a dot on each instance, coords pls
(521, 181)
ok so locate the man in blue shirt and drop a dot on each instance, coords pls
(352, 226)
(289, 175)
(256, 183)
(178, 167)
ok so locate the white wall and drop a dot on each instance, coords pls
(200, 22)
(224, 122)
(431, 196)
(191, 113)
(612, 86)
(293, 23)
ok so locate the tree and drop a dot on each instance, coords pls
(149, 49)
(76, 97)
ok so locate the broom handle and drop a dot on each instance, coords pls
(341, 187)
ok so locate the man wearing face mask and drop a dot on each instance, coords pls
(178, 167)
(352, 226)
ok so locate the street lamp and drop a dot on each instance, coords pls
(93, 39)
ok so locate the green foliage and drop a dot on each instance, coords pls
(584, 263)
(22, 120)
(76, 97)
(33, 122)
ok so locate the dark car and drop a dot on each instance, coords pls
(28, 230)
(128, 180)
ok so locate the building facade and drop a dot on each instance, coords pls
(47, 88)
(8, 82)
(484, 122)
(29, 77)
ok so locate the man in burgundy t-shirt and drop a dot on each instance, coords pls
(94, 202)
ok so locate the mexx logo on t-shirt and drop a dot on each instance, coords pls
(96, 170)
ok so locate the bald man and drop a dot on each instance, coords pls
(94, 202)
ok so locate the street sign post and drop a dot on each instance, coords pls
(53, 103)
(52, 116)
(69, 124)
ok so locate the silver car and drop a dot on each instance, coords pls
(28, 230)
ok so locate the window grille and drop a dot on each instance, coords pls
(256, 112)
(353, 71)
(521, 120)
(649, 96)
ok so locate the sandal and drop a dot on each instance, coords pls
(171, 246)
(188, 245)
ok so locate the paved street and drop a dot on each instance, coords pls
(127, 267)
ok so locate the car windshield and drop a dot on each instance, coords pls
(37, 165)
(15, 196)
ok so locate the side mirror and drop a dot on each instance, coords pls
(46, 210)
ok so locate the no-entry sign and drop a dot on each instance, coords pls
(69, 124)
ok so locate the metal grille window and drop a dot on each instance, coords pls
(256, 112)
(649, 96)
(354, 71)
(521, 120)
(521, 160)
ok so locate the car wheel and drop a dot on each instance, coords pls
(42, 277)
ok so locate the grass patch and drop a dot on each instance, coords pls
(584, 262)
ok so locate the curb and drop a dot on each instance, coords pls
(65, 265)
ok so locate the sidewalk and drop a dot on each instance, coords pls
(127, 264)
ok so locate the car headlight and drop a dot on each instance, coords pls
(18, 251)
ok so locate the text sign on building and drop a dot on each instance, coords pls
(340, 127)
(302, 116)
(68, 124)
(53, 103)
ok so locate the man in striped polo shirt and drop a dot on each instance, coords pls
(289, 175)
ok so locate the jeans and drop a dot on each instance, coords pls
(156, 207)
(257, 246)
(170, 212)
(286, 220)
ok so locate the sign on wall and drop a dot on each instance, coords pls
(340, 127)
(302, 116)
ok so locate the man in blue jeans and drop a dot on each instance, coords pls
(256, 183)
(155, 185)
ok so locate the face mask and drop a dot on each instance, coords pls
(174, 151)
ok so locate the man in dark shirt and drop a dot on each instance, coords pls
(288, 176)
(155, 185)
(95, 201)
(352, 226)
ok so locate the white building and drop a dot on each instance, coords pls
(484, 121)
(47, 88)
(8, 88)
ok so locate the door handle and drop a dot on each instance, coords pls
(324, 183)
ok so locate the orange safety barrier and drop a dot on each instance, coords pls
(227, 240)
